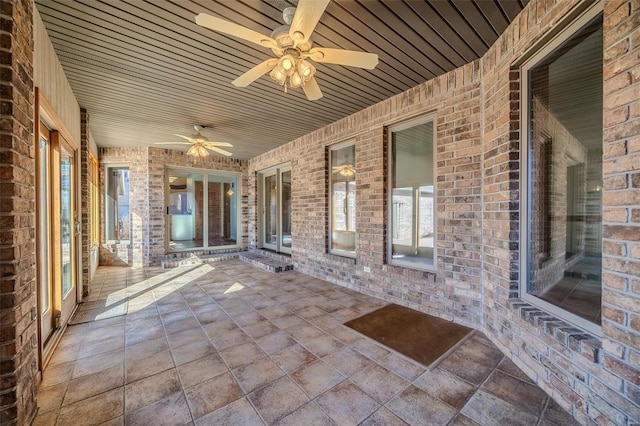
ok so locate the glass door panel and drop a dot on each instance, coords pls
(285, 208)
(270, 200)
(43, 211)
(66, 221)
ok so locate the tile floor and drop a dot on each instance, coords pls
(231, 344)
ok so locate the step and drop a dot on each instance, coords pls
(258, 258)
(196, 259)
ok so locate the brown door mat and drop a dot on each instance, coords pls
(421, 337)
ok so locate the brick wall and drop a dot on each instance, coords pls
(455, 291)
(478, 201)
(18, 339)
(147, 200)
(596, 379)
(85, 201)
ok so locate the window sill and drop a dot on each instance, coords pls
(565, 333)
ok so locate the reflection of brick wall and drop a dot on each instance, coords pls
(552, 145)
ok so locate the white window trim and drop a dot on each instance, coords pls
(335, 251)
(576, 25)
(388, 231)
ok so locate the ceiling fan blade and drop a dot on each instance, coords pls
(308, 13)
(189, 138)
(221, 151)
(312, 90)
(350, 58)
(173, 143)
(220, 25)
(255, 73)
(217, 144)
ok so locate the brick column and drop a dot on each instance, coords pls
(18, 337)
(85, 204)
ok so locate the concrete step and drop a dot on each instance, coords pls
(195, 259)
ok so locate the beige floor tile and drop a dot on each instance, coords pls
(257, 374)
(229, 339)
(240, 355)
(172, 410)
(57, 374)
(309, 415)
(317, 378)
(515, 391)
(415, 406)
(192, 351)
(203, 398)
(383, 417)
(379, 383)
(401, 366)
(347, 404)
(201, 369)
(347, 361)
(95, 410)
(278, 399)
(488, 409)
(46, 419)
(322, 345)
(293, 358)
(138, 368)
(185, 337)
(93, 384)
(100, 346)
(151, 389)
(260, 329)
(50, 398)
(446, 386)
(239, 412)
(99, 362)
(272, 343)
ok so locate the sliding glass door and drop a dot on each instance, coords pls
(202, 210)
(275, 205)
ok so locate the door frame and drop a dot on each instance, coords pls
(45, 113)
(276, 171)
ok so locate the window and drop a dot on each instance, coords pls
(117, 203)
(411, 225)
(342, 203)
(562, 153)
(94, 200)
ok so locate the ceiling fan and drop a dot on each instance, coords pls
(292, 46)
(200, 145)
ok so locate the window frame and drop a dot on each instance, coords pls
(94, 200)
(331, 249)
(107, 238)
(537, 57)
(390, 129)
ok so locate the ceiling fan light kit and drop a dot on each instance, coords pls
(200, 145)
(292, 46)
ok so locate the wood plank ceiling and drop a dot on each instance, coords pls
(145, 71)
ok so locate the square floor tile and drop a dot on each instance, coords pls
(257, 374)
(240, 355)
(379, 383)
(172, 410)
(207, 396)
(151, 389)
(415, 406)
(446, 386)
(316, 378)
(278, 399)
(201, 369)
(488, 409)
(309, 414)
(95, 410)
(347, 404)
(293, 358)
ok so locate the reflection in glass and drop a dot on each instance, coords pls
(412, 209)
(66, 222)
(202, 210)
(117, 214)
(286, 209)
(343, 199)
(565, 175)
(270, 207)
